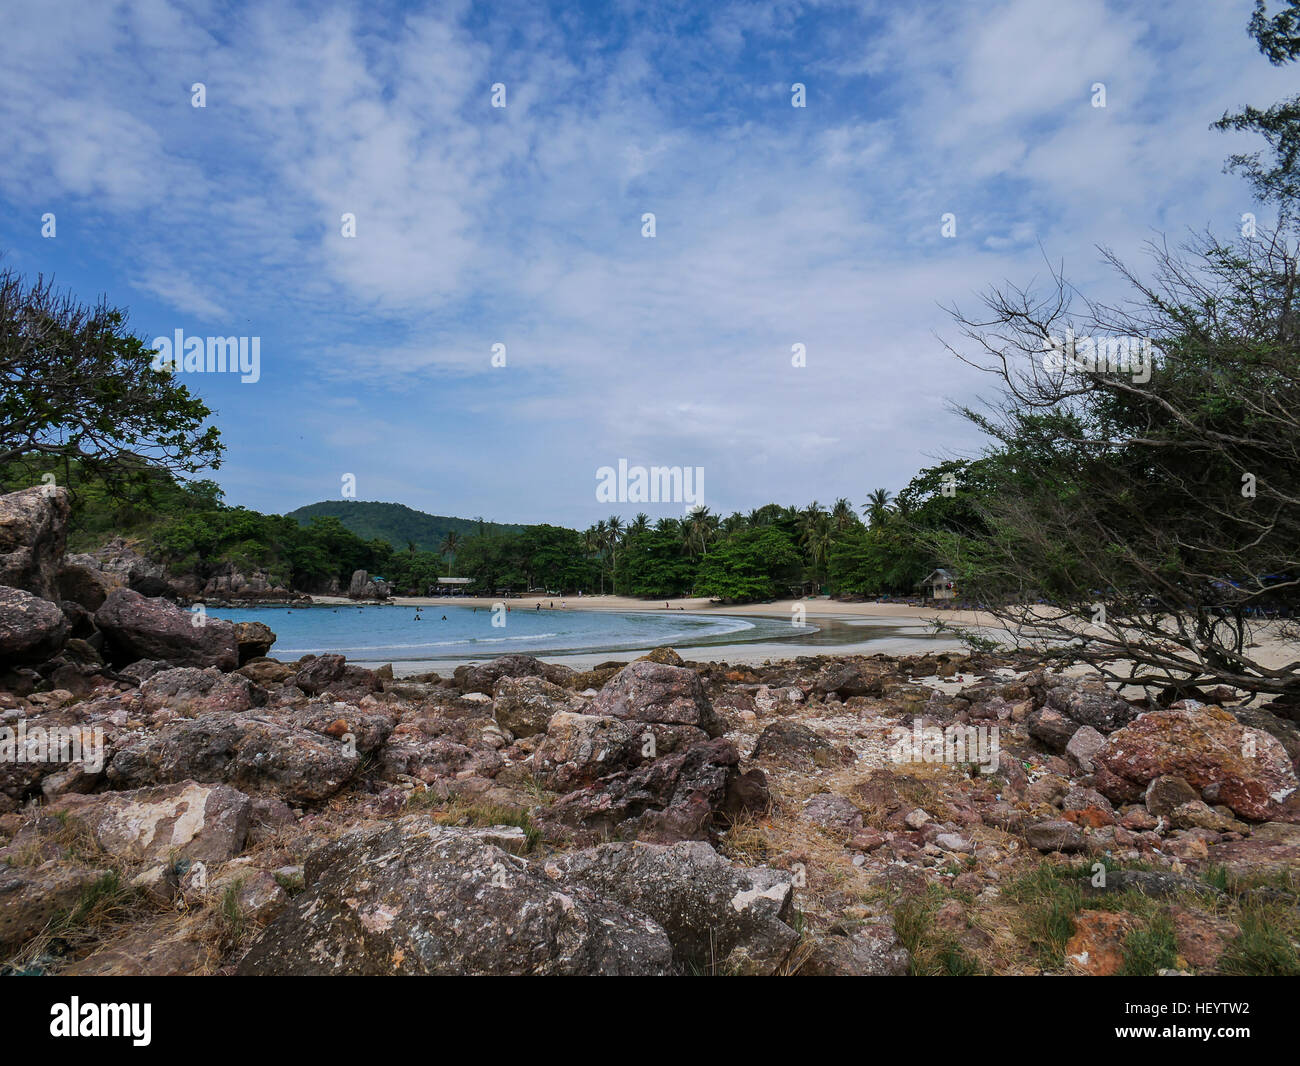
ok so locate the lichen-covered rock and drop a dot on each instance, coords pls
(253, 639)
(188, 820)
(1092, 703)
(1244, 768)
(142, 627)
(871, 949)
(1055, 835)
(31, 897)
(714, 911)
(413, 897)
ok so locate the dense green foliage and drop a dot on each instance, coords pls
(399, 525)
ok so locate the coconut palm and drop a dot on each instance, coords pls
(640, 524)
(877, 507)
(702, 526)
(448, 547)
(842, 515)
(615, 533)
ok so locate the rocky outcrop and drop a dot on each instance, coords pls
(413, 897)
(253, 640)
(33, 532)
(525, 705)
(364, 587)
(140, 627)
(31, 629)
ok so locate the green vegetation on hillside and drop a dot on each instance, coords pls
(399, 525)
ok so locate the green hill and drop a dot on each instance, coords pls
(396, 523)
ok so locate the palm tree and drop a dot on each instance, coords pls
(734, 523)
(600, 537)
(448, 547)
(410, 547)
(640, 524)
(877, 507)
(702, 525)
(842, 515)
(615, 527)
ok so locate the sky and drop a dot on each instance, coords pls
(522, 225)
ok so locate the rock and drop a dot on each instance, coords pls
(248, 752)
(84, 586)
(318, 674)
(267, 672)
(792, 743)
(1091, 703)
(1097, 946)
(140, 627)
(579, 749)
(662, 656)
(954, 842)
(1053, 728)
(363, 587)
(1196, 814)
(1167, 792)
(187, 690)
(186, 820)
(676, 797)
(32, 897)
(716, 913)
(524, 705)
(916, 819)
(31, 629)
(1083, 746)
(654, 692)
(837, 814)
(253, 639)
(484, 676)
(1202, 938)
(413, 897)
(845, 680)
(1055, 835)
(1261, 855)
(33, 533)
(872, 949)
(157, 949)
(1248, 769)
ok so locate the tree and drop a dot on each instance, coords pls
(1146, 512)
(877, 507)
(1278, 38)
(752, 565)
(77, 385)
(450, 543)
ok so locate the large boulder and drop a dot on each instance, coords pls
(31, 629)
(85, 586)
(413, 897)
(33, 533)
(142, 627)
(483, 677)
(186, 820)
(716, 914)
(1227, 762)
(32, 897)
(364, 587)
(654, 692)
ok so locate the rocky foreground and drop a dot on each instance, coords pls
(230, 813)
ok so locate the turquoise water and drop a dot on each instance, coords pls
(383, 634)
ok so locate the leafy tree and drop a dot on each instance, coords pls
(79, 386)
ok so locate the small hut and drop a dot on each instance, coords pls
(939, 585)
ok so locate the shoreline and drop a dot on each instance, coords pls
(888, 629)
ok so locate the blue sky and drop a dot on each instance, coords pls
(522, 225)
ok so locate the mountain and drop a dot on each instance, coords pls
(396, 523)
